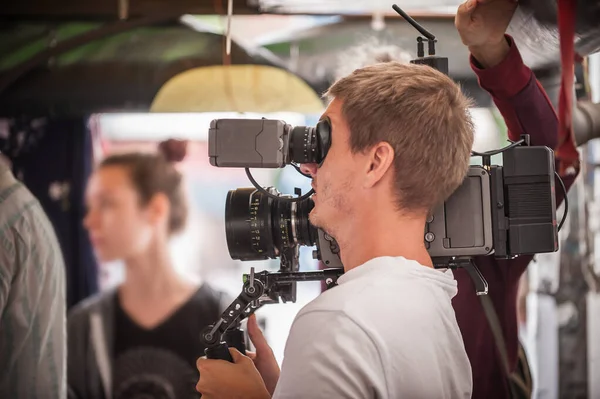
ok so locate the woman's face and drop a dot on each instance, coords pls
(118, 226)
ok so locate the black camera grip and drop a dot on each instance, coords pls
(235, 339)
(220, 351)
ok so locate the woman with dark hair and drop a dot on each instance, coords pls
(141, 339)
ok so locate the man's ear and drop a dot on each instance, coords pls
(380, 157)
(158, 208)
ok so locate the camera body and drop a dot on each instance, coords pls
(504, 211)
(260, 147)
(265, 143)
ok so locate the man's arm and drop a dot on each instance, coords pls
(7, 265)
(526, 110)
(321, 360)
(520, 99)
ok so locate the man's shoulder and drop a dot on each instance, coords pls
(393, 328)
(30, 242)
(23, 213)
(15, 199)
(408, 300)
(337, 299)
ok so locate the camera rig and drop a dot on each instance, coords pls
(502, 211)
(265, 288)
(258, 289)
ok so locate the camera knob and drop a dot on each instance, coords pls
(429, 237)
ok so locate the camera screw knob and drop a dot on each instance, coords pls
(429, 237)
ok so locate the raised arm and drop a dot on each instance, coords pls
(497, 62)
(519, 97)
(526, 109)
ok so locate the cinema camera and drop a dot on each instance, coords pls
(502, 211)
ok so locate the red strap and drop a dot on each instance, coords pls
(565, 150)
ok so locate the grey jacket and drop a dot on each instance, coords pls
(90, 342)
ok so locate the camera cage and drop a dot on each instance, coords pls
(272, 287)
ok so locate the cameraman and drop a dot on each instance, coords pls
(401, 143)
(526, 109)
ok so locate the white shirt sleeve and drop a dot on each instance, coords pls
(328, 355)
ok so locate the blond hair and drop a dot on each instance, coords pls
(423, 115)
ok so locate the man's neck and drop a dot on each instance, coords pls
(374, 236)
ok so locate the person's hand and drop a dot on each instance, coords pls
(481, 25)
(263, 358)
(220, 379)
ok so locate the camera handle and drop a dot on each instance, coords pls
(259, 289)
(481, 284)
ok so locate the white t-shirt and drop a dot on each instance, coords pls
(387, 330)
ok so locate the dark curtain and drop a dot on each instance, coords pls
(53, 158)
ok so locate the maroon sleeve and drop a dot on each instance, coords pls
(522, 102)
(520, 98)
(526, 110)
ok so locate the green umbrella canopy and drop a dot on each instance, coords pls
(120, 72)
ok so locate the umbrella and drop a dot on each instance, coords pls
(119, 72)
(238, 88)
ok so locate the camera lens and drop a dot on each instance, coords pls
(258, 227)
(310, 144)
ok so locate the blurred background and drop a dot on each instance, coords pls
(80, 80)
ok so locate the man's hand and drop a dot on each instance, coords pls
(264, 360)
(220, 379)
(481, 25)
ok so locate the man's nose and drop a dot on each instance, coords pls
(309, 169)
